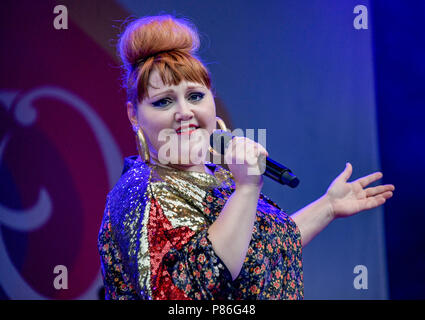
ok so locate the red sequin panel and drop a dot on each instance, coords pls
(162, 237)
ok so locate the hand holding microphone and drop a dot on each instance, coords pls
(242, 156)
(220, 141)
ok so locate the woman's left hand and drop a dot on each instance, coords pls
(348, 198)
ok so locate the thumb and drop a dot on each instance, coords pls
(346, 174)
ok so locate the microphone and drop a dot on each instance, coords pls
(219, 141)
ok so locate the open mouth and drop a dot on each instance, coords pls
(187, 129)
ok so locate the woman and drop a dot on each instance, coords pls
(178, 227)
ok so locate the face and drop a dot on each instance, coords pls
(176, 121)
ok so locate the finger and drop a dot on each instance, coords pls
(258, 155)
(259, 150)
(236, 146)
(263, 150)
(376, 201)
(346, 174)
(365, 181)
(242, 150)
(373, 202)
(251, 154)
(373, 191)
(386, 195)
(251, 147)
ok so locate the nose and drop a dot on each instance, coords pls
(183, 112)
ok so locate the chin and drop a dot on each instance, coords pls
(185, 149)
(195, 154)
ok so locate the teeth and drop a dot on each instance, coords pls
(187, 129)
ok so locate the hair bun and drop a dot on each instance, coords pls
(148, 36)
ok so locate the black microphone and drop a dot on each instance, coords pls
(219, 141)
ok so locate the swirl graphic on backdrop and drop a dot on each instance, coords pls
(37, 215)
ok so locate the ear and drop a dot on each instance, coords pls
(132, 114)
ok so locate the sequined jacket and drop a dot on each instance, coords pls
(153, 240)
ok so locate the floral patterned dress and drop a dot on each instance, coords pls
(154, 244)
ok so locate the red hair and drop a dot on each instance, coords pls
(164, 43)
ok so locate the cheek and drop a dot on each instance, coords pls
(152, 122)
(208, 118)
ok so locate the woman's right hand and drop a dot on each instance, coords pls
(246, 161)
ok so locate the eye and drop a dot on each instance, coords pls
(161, 103)
(197, 96)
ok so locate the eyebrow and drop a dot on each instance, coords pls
(172, 91)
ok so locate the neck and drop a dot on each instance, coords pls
(202, 168)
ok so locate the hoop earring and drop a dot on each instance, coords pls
(142, 146)
(221, 124)
(223, 127)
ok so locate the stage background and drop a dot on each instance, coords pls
(326, 93)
